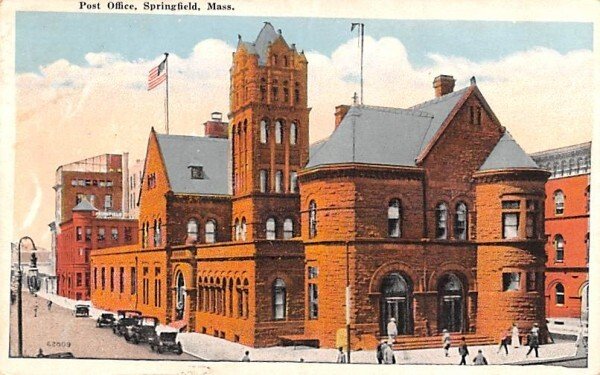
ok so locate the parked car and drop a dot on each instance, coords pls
(143, 330)
(106, 320)
(82, 310)
(166, 342)
(126, 318)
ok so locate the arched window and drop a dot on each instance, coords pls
(460, 222)
(559, 246)
(559, 293)
(441, 221)
(559, 202)
(312, 219)
(279, 181)
(264, 180)
(210, 234)
(293, 133)
(279, 299)
(288, 229)
(192, 230)
(236, 230)
(270, 229)
(394, 218)
(243, 229)
(156, 233)
(278, 132)
(264, 132)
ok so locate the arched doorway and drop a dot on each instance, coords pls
(451, 304)
(585, 307)
(180, 297)
(396, 298)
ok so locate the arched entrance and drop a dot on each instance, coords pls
(585, 307)
(451, 314)
(396, 298)
(180, 297)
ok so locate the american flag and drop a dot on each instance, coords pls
(157, 75)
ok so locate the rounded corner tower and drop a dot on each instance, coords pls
(510, 250)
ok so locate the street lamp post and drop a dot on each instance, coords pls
(19, 298)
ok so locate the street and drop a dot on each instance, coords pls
(59, 331)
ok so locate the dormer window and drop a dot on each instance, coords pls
(197, 172)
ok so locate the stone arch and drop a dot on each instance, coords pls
(385, 269)
(462, 272)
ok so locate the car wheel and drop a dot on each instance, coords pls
(135, 340)
(160, 350)
(151, 348)
(179, 349)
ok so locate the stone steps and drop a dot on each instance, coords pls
(432, 342)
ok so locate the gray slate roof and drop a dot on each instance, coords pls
(84, 205)
(387, 136)
(506, 155)
(266, 36)
(181, 152)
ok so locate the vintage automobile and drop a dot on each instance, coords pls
(82, 310)
(142, 331)
(166, 342)
(105, 320)
(126, 318)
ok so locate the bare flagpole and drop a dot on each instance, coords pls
(167, 92)
(361, 42)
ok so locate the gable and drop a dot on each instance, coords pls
(508, 155)
(154, 168)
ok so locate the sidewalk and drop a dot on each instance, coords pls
(210, 348)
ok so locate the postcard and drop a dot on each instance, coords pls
(209, 187)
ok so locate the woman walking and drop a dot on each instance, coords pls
(515, 342)
(446, 341)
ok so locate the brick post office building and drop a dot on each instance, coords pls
(432, 215)
(568, 230)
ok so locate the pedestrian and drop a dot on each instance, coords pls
(535, 330)
(533, 343)
(504, 340)
(40, 353)
(463, 350)
(446, 341)
(515, 341)
(480, 359)
(388, 355)
(49, 305)
(341, 358)
(380, 351)
(35, 309)
(246, 357)
(392, 330)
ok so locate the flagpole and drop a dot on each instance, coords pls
(167, 91)
(361, 41)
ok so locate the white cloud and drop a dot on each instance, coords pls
(69, 112)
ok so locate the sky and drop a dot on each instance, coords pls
(81, 81)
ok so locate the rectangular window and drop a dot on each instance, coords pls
(127, 234)
(313, 272)
(101, 233)
(531, 219)
(532, 281)
(264, 177)
(88, 182)
(78, 233)
(511, 205)
(87, 279)
(510, 225)
(293, 182)
(313, 302)
(278, 181)
(133, 281)
(114, 233)
(79, 279)
(107, 202)
(511, 281)
(121, 279)
(103, 278)
(109, 183)
(88, 234)
(95, 278)
(112, 279)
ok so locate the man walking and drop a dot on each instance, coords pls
(35, 309)
(49, 305)
(504, 340)
(392, 331)
(463, 350)
(341, 358)
(246, 357)
(534, 343)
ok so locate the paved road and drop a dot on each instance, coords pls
(59, 331)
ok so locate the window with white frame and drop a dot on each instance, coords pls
(264, 132)
(559, 202)
(312, 219)
(270, 229)
(559, 294)
(394, 216)
(559, 247)
(288, 229)
(279, 299)
(192, 230)
(210, 233)
(441, 225)
(510, 219)
(279, 181)
(293, 133)
(263, 180)
(278, 132)
(460, 221)
(511, 281)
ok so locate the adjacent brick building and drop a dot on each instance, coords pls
(432, 215)
(568, 231)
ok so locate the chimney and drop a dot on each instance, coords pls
(215, 127)
(443, 85)
(340, 113)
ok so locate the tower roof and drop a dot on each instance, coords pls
(507, 155)
(260, 47)
(84, 205)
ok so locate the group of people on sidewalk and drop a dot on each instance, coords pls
(512, 338)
